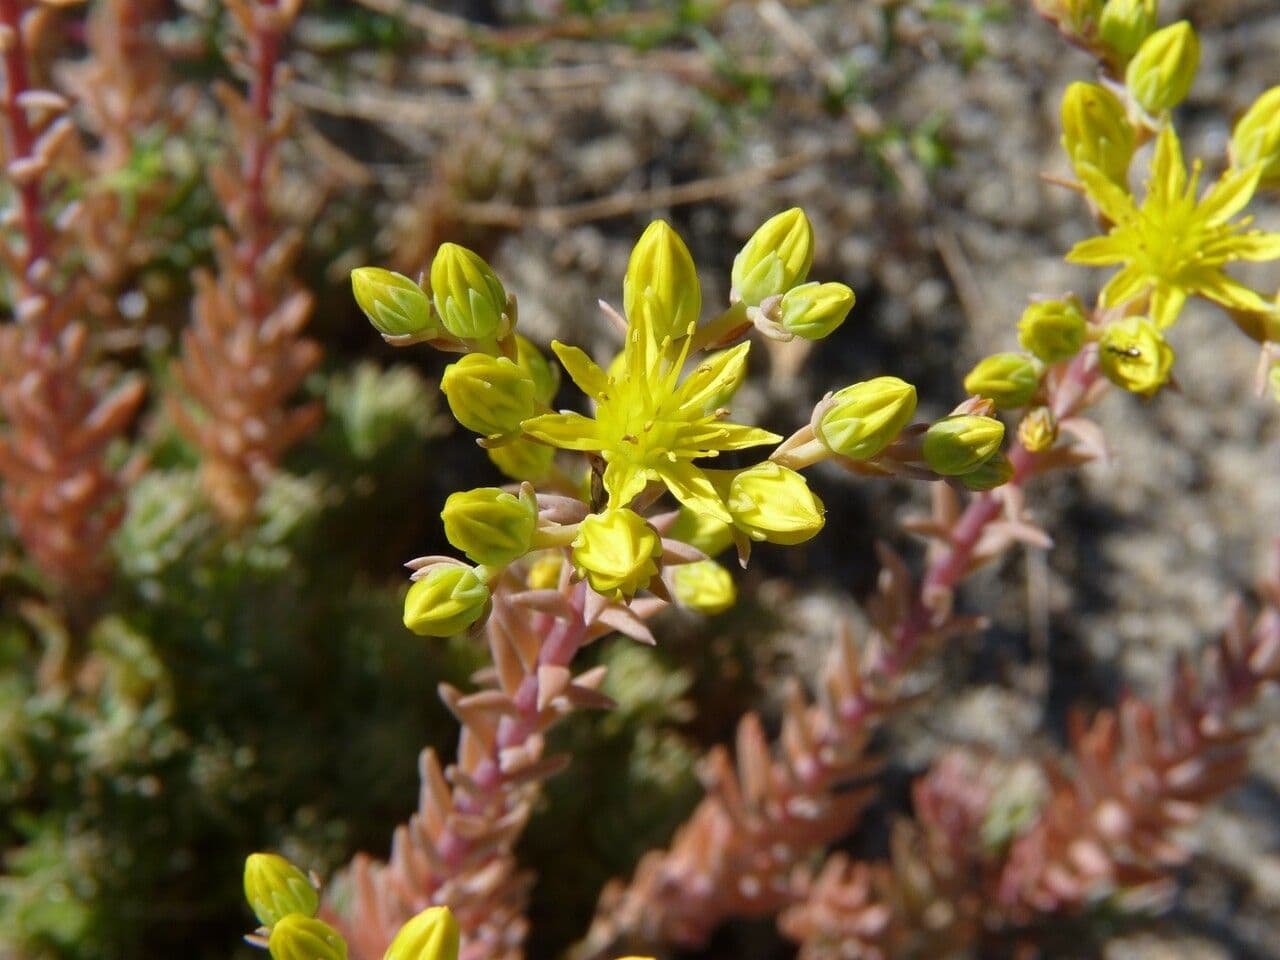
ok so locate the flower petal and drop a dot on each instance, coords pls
(568, 431)
(624, 480)
(1111, 199)
(716, 376)
(1253, 246)
(584, 371)
(1166, 304)
(1168, 169)
(718, 436)
(1130, 282)
(691, 486)
(1222, 289)
(1229, 195)
(1097, 252)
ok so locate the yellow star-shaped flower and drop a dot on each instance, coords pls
(649, 424)
(1173, 246)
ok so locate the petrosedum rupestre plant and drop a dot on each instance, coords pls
(609, 516)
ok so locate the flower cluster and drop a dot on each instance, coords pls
(658, 418)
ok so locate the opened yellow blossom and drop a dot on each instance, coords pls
(649, 424)
(1173, 246)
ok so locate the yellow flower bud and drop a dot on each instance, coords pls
(704, 586)
(662, 283)
(1053, 330)
(545, 375)
(960, 444)
(1134, 354)
(488, 395)
(776, 258)
(1038, 430)
(446, 601)
(861, 420)
(616, 552)
(394, 304)
(996, 472)
(1124, 24)
(523, 459)
(492, 527)
(1161, 73)
(1009, 380)
(1096, 131)
(702, 531)
(1256, 138)
(469, 296)
(815, 310)
(431, 935)
(772, 502)
(299, 937)
(544, 573)
(276, 888)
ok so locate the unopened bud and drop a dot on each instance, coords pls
(544, 573)
(861, 420)
(814, 310)
(523, 459)
(776, 258)
(701, 530)
(394, 304)
(1124, 24)
(1096, 131)
(491, 526)
(431, 935)
(996, 472)
(1038, 430)
(1009, 380)
(1134, 354)
(469, 296)
(774, 503)
(544, 374)
(276, 888)
(447, 600)
(960, 444)
(616, 552)
(704, 586)
(662, 283)
(1256, 138)
(1053, 330)
(299, 937)
(488, 395)
(1161, 73)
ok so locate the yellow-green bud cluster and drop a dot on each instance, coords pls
(1161, 73)
(469, 297)
(1053, 330)
(394, 304)
(1009, 380)
(276, 888)
(491, 526)
(489, 395)
(1256, 138)
(445, 600)
(776, 258)
(662, 282)
(1134, 354)
(617, 553)
(995, 472)
(702, 531)
(960, 444)
(431, 935)
(1096, 131)
(861, 420)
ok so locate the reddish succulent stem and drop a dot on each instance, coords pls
(265, 55)
(22, 139)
